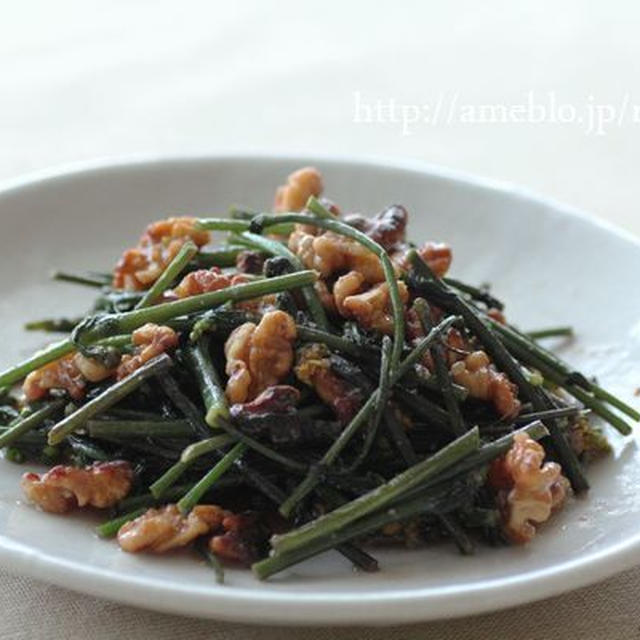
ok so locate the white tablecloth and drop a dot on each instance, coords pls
(540, 93)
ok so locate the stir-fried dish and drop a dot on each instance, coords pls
(270, 386)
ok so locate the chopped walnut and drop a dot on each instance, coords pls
(387, 228)
(437, 255)
(160, 530)
(202, 281)
(300, 186)
(330, 253)
(63, 488)
(69, 373)
(483, 381)
(497, 315)
(528, 490)
(371, 307)
(149, 341)
(72, 372)
(140, 267)
(326, 297)
(313, 367)
(281, 398)
(259, 356)
(242, 540)
(91, 369)
(59, 374)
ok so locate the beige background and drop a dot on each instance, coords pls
(85, 79)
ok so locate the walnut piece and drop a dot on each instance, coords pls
(313, 368)
(140, 267)
(72, 372)
(149, 341)
(63, 488)
(259, 356)
(69, 373)
(242, 538)
(485, 382)
(330, 253)
(370, 306)
(281, 398)
(202, 281)
(59, 374)
(437, 255)
(91, 369)
(160, 530)
(387, 228)
(528, 490)
(300, 186)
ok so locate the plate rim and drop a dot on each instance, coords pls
(404, 605)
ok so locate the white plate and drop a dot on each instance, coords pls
(552, 265)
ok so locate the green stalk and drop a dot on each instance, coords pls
(197, 449)
(313, 477)
(108, 398)
(239, 225)
(221, 257)
(45, 356)
(190, 500)
(168, 479)
(221, 319)
(110, 528)
(504, 361)
(475, 293)
(310, 334)
(49, 354)
(53, 325)
(436, 496)
(211, 390)
(577, 392)
(563, 370)
(97, 327)
(399, 437)
(276, 248)
(456, 420)
(430, 381)
(488, 452)
(564, 412)
(438, 500)
(87, 281)
(383, 393)
(182, 402)
(211, 559)
(126, 429)
(23, 426)
(223, 224)
(167, 277)
(262, 449)
(160, 487)
(170, 495)
(87, 449)
(423, 407)
(381, 496)
(552, 332)
(30, 438)
(458, 534)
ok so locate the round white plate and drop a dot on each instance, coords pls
(551, 264)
